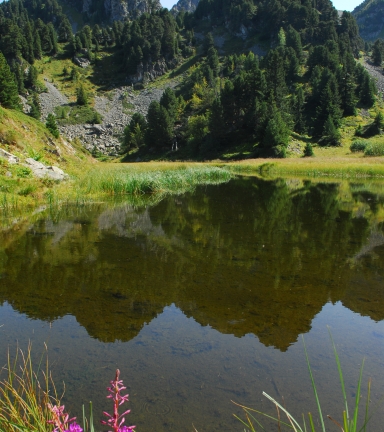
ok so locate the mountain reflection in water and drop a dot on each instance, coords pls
(254, 256)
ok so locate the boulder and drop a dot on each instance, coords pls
(12, 159)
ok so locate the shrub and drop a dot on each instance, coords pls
(358, 146)
(375, 149)
(308, 150)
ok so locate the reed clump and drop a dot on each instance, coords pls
(121, 181)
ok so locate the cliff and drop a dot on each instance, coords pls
(186, 5)
(370, 18)
(114, 10)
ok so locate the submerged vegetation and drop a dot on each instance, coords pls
(349, 421)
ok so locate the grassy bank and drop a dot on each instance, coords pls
(336, 167)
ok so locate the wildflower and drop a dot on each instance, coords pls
(61, 420)
(116, 420)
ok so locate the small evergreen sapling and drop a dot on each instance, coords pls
(52, 126)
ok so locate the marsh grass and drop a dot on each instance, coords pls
(338, 167)
(349, 421)
(24, 397)
(121, 181)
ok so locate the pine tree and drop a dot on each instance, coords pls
(35, 111)
(216, 121)
(52, 126)
(308, 150)
(82, 97)
(213, 60)
(37, 51)
(134, 133)
(159, 131)
(367, 91)
(294, 41)
(169, 102)
(9, 96)
(282, 38)
(208, 43)
(378, 52)
(331, 135)
(276, 132)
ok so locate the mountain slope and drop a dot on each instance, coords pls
(114, 10)
(370, 18)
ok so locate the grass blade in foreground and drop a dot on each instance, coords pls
(349, 424)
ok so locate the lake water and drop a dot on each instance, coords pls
(201, 299)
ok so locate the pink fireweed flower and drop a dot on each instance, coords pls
(116, 420)
(61, 419)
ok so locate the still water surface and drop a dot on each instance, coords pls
(201, 299)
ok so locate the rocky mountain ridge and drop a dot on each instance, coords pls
(185, 5)
(370, 18)
(114, 10)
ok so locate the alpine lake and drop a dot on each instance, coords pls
(201, 299)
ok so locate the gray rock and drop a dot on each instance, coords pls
(12, 159)
(33, 164)
(81, 61)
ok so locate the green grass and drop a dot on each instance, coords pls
(122, 180)
(336, 167)
(374, 149)
(25, 393)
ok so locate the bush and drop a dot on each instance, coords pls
(358, 146)
(374, 149)
(308, 150)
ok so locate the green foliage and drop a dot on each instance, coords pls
(197, 129)
(82, 97)
(159, 130)
(9, 97)
(378, 52)
(23, 172)
(77, 115)
(276, 133)
(134, 133)
(308, 150)
(358, 146)
(331, 135)
(52, 126)
(35, 111)
(170, 103)
(374, 149)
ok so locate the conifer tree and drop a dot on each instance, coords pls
(331, 135)
(35, 111)
(169, 102)
(208, 43)
(159, 126)
(276, 132)
(52, 126)
(134, 133)
(367, 90)
(82, 97)
(9, 96)
(213, 60)
(216, 121)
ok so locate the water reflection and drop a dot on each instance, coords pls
(252, 256)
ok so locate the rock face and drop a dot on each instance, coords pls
(186, 5)
(370, 18)
(42, 171)
(118, 10)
